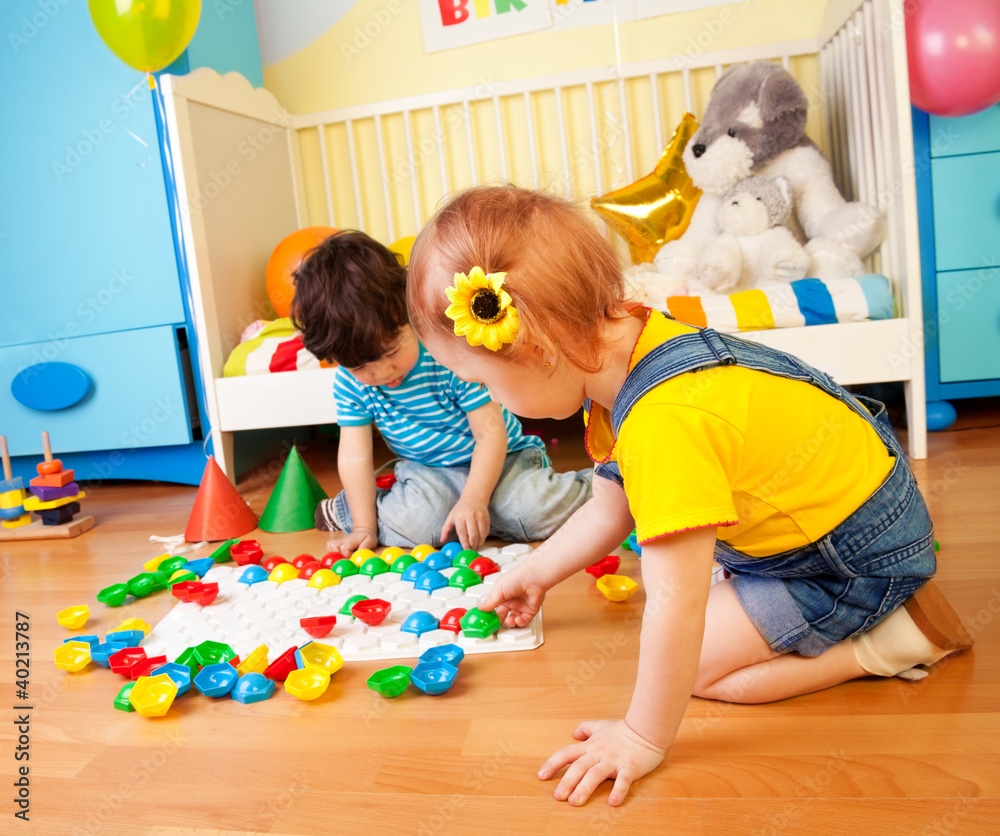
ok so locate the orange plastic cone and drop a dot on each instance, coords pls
(219, 512)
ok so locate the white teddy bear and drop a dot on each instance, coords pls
(754, 248)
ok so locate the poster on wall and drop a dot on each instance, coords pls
(572, 14)
(653, 8)
(448, 24)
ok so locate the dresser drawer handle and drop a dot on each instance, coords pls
(50, 386)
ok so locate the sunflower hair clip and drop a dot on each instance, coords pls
(482, 310)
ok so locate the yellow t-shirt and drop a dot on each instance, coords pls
(775, 463)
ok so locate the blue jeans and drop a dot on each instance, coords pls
(846, 582)
(530, 501)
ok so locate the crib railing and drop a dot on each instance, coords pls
(385, 167)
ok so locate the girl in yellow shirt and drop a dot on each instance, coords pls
(712, 448)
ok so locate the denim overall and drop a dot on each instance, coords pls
(809, 598)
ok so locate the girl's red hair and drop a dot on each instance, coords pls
(562, 273)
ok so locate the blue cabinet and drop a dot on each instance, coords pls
(958, 195)
(88, 268)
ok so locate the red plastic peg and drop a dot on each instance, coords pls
(301, 560)
(206, 595)
(144, 667)
(318, 626)
(452, 620)
(484, 566)
(185, 589)
(270, 562)
(122, 661)
(605, 566)
(282, 666)
(310, 569)
(246, 551)
(371, 611)
(328, 559)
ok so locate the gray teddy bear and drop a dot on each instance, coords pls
(754, 124)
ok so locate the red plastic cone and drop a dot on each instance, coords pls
(219, 512)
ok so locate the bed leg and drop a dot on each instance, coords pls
(916, 417)
(223, 446)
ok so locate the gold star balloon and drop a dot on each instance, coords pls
(656, 208)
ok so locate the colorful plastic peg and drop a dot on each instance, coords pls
(308, 683)
(216, 680)
(617, 587)
(318, 626)
(371, 611)
(324, 656)
(114, 595)
(152, 696)
(484, 566)
(283, 572)
(605, 566)
(322, 578)
(256, 661)
(450, 653)
(390, 682)
(479, 624)
(283, 665)
(452, 620)
(73, 618)
(245, 552)
(125, 659)
(252, 687)
(73, 656)
(433, 678)
(419, 622)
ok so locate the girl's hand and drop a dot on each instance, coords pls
(360, 538)
(471, 521)
(610, 749)
(516, 597)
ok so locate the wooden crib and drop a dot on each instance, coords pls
(247, 173)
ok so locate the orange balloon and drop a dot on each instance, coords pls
(285, 259)
(656, 208)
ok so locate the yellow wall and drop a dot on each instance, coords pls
(393, 64)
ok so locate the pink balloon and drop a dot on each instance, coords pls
(953, 49)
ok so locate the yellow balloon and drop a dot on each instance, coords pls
(146, 34)
(656, 208)
(402, 248)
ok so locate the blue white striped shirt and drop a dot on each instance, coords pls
(424, 418)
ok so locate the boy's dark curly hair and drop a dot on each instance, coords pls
(350, 299)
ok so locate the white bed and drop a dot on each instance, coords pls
(239, 163)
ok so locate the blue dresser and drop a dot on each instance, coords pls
(958, 194)
(90, 289)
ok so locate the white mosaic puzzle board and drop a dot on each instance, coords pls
(245, 617)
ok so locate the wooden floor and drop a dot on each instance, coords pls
(873, 756)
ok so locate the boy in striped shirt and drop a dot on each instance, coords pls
(465, 469)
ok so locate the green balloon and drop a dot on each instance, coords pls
(146, 34)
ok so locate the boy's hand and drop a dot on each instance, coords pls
(360, 538)
(471, 521)
(610, 749)
(516, 597)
